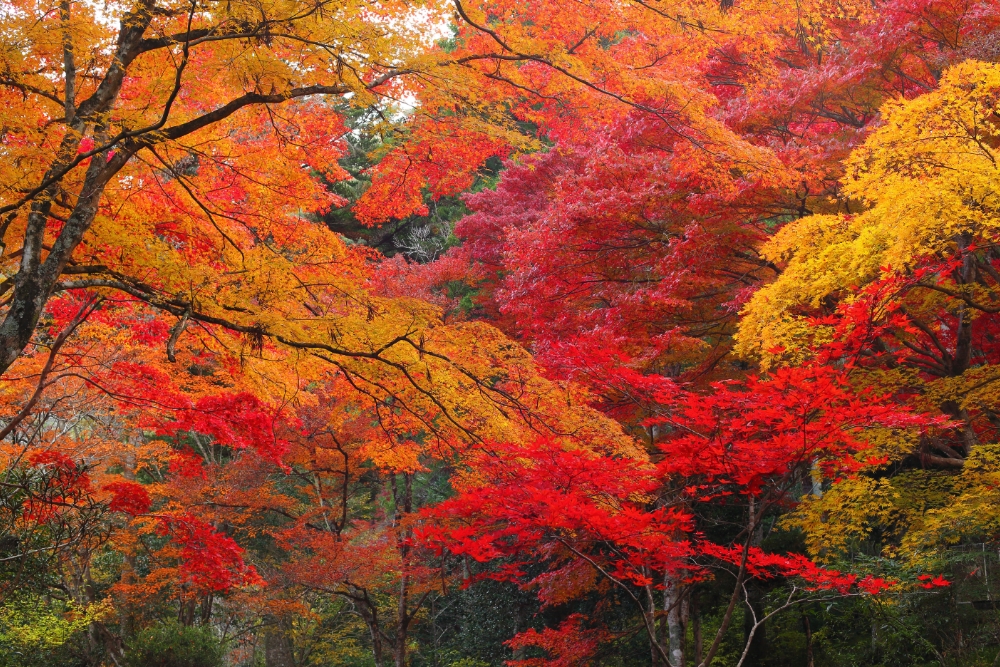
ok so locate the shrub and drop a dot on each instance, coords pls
(171, 644)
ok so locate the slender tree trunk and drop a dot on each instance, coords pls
(685, 620)
(186, 615)
(758, 642)
(654, 654)
(816, 477)
(754, 611)
(649, 613)
(278, 650)
(727, 616)
(520, 623)
(696, 631)
(402, 622)
(672, 602)
(207, 602)
(370, 615)
(404, 505)
(809, 641)
(377, 650)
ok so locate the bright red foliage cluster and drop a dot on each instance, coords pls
(65, 485)
(763, 565)
(750, 437)
(239, 421)
(566, 646)
(62, 470)
(128, 497)
(540, 500)
(209, 560)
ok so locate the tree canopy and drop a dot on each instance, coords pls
(467, 333)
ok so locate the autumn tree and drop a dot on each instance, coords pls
(903, 287)
(635, 526)
(901, 292)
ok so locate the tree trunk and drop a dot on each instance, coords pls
(654, 653)
(36, 279)
(278, 650)
(402, 623)
(755, 639)
(520, 623)
(649, 617)
(758, 642)
(672, 602)
(810, 662)
(370, 616)
(404, 505)
(696, 631)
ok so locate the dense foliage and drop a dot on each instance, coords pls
(468, 333)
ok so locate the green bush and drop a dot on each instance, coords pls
(174, 645)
